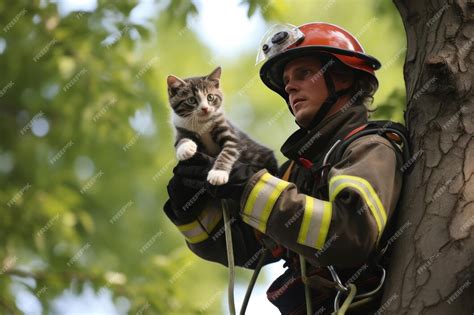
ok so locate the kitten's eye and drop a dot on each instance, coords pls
(192, 100)
(210, 97)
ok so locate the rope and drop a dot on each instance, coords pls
(348, 301)
(253, 280)
(307, 292)
(230, 256)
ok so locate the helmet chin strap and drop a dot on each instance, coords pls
(332, 98)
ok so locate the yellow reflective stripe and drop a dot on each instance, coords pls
(338, 183)
(189, 226)
(261, 200)
(199, 230)
(344, 181)
(198, 238)
(316, 221)
(323, 231)
(193, 232)
(270, 203)
(374, 195)
(308, 211)
(252, 198)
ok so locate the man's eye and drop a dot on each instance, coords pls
(192, 100)
(307, 72)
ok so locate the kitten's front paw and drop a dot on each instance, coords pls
(217, 178)
(186, 150)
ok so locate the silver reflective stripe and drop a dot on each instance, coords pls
(210, 217)
(261, 200)
(315, 225)
(199, 230)
(193, 232)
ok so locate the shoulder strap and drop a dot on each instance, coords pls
(396, 133)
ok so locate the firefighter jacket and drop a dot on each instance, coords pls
(330, 214)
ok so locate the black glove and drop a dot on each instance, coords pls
(194, 174)
(185, 203)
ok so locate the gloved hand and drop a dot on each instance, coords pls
(185, 203)
(194, 173)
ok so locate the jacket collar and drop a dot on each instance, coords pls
(311, 144)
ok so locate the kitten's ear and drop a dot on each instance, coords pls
(174, 82)
(215, 75)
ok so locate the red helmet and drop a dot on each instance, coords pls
(283, 43)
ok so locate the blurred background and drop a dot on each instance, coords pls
(86, 147)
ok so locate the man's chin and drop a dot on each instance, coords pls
(302, 121)
(304, 117)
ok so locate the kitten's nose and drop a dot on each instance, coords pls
(205, 109)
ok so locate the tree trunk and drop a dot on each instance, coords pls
(431, 269)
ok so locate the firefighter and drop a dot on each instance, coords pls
(330, 203)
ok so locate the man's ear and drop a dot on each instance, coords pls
(345, 79)
(215, 75)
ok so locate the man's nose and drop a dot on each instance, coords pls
(290, 87)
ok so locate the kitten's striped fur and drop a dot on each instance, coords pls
(201, 125)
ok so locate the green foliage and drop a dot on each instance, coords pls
(391, 106)
(178, 11)
(79, 204)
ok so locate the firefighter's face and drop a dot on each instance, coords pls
(306, 87)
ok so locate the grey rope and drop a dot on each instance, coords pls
(230, 256)
(307, 291)
(253, 280)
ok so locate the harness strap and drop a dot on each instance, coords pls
(353, 132)
(286, 175)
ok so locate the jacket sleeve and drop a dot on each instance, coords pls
(343, 231)
(205, 235)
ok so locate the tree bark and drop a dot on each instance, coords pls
(431, 269)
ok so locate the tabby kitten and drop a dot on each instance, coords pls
(201, 126)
